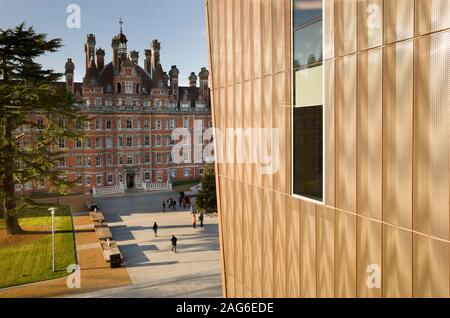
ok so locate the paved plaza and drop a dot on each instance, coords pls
(155, 271)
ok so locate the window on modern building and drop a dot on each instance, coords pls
(146, 124)
(98, 161)
(108, 125)
(158, 157)
(147, 158)
(129, 160)
(129, 124)
(147, 176)
(158, 124)
(109, 160)
(110, 178)
(147, 141)
(128, 87)
(308, 100)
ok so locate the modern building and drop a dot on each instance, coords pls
(359, 93)
(132, 112)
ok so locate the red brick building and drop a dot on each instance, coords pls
(132, 112)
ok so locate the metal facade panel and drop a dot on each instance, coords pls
(346, 133)
(329, 133)
(257, 241)
(369, 256)
(230, 40)
(308, 260)
(248, 243)
(345, 255)
(432, 135)
(370, 24)
(328, 29)
(346, 26)
(398, 20)
(266, 37)
(397, 133)
(370, 132)
(237, 37)
(432, 15)
(267, 244)
(256, 37)
(293, 249)
(431, 267)
(397, 263)
(325, 251)
(279, 245)
(280, 40)
(239, 238)
(246, 41)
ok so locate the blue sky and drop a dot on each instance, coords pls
(178, 24)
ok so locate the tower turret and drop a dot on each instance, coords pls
(156, 48)
(100, 59)
(70, 68)
(193, 80)
(148, 61)
(173, 74)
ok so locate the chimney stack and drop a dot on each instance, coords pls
(100, 59)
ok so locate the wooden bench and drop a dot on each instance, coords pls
(103, 233)
(111, 253)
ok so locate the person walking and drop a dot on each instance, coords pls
(155, 229)
(194, 220)
(164, 206)
(200, 218)
(174, 243)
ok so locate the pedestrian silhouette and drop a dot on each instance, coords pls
(194, 220)
(155, 229)
(174, 243)
(200, 218)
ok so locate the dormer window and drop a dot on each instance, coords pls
(128, 87)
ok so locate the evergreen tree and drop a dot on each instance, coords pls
(206, 199)
(28, 89)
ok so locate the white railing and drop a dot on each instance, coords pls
(161, 186)
(110, 190)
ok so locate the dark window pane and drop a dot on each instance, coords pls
(308, 152)
(305, 11)
(308, 46)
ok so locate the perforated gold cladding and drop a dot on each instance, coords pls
(329, 132)
(369, 253)
(298, 248)
(346, 26)
(307, 249)
(398, 20)
(325, 251)
(346, 133)
(432, 15)
(397, 133)
(370, 23)
(432, 135)
(370, 109)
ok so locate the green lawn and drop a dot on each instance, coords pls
(28, 258)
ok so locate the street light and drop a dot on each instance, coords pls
(52, 211)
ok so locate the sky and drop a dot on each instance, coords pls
(178, 24)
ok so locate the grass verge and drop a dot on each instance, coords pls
(27, 258)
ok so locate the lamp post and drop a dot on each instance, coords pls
(52, 211)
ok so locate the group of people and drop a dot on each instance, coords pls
(183, 201)
(174, 239)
